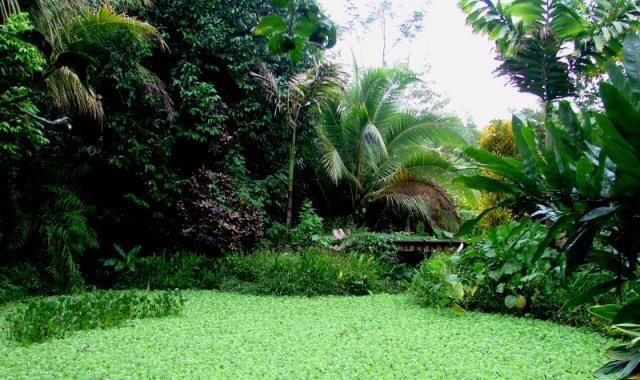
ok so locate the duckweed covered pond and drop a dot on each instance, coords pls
(222, 335)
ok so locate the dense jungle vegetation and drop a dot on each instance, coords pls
(149, 147)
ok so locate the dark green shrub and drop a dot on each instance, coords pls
(183, 270)
(19, 281)
(56, 317)
(309, 228)
(312, 272)
(275, 236)
(372, 243)
(382, 247)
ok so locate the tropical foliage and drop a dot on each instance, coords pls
(583, 179)
(625, 357)
(544, 45)
(304, 90)
(177, 125)
(301, 22)
(389, 154)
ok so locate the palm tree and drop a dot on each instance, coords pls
(75, 36)
(388, 154)
(542, 43)
(302, 92)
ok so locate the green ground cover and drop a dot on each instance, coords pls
(224, 335)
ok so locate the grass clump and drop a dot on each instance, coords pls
(182, 270)
(312, 272)
(46, 318)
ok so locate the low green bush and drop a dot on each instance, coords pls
(436, 283)
(312, 272)
(54, 317)
(182, 270)
(500, 272)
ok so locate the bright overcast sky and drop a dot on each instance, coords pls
(462, 63)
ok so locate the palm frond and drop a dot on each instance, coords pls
(69, 92)
(52, 16)
(155, 87)
(423, 163)
(269, 83)
(378, 90)
(407, 129)
(99, 27)
(8, 8)
(386, 153)
(421, 197)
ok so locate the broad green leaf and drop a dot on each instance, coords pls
(612, 370)
(624, 117)
(566, 22)
(280, 3)
(525, 139)
(304, 29)
(110, 262)
(598, 213)
(559, 226)
(269, 25)
(632, 60)
(511, 301)
(629, 313)
(276, 42)
(606, 312)
(530, 10)
(457, 309)
(298, 48)
(486, 184)
(621, 352)
(584, 176)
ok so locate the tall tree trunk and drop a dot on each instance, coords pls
(292, 165)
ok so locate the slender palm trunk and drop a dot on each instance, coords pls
(548, 114)
(292, 164)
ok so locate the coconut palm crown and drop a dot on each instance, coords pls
(403, 157)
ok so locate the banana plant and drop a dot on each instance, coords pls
(583, 180)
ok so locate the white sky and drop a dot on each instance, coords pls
(462, 63)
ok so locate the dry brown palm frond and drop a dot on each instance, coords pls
(419, 196)
(269, 83)
(69, 93)
(154, 86)
(429, 200)
(8, 8)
